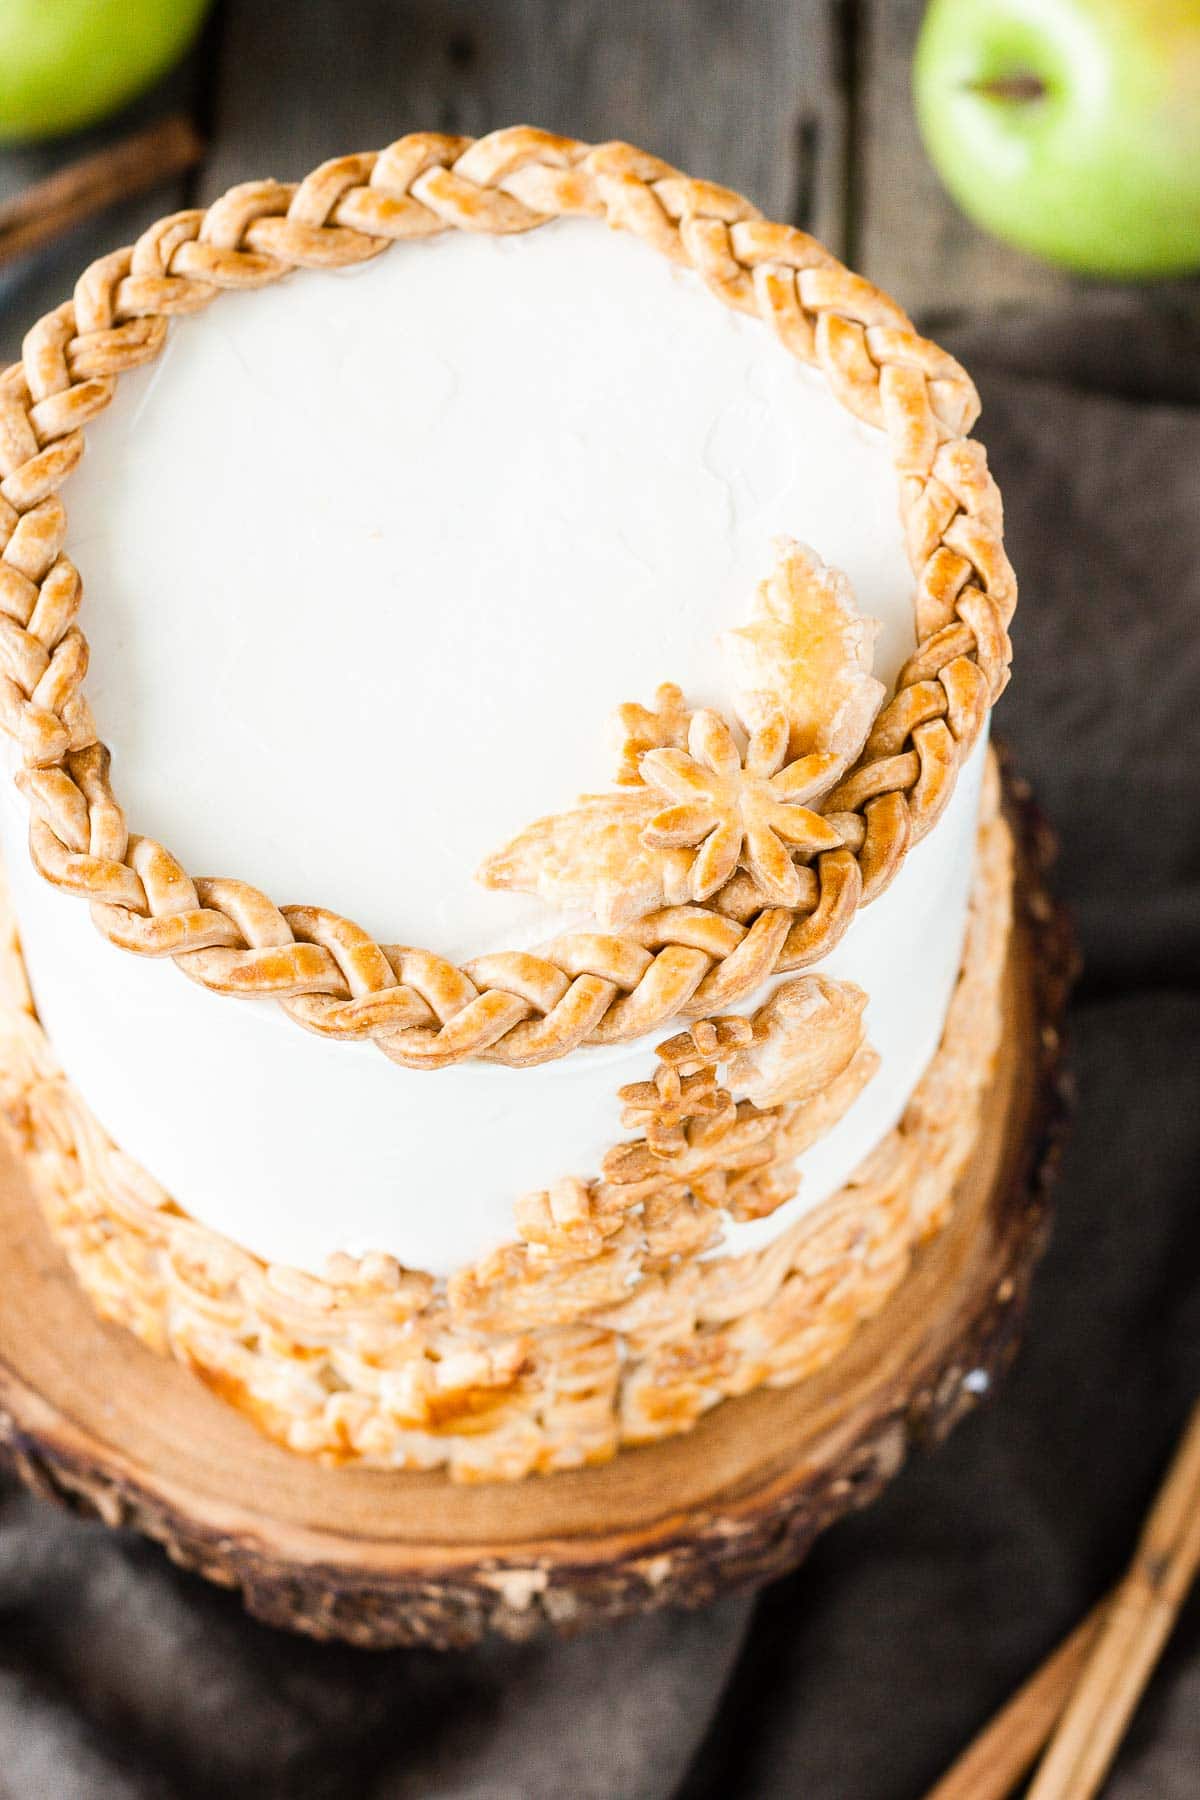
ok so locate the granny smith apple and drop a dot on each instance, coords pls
(64, 63)
(1069, 127)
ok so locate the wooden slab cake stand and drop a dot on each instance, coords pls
(91, 1418)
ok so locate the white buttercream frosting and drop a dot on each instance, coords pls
(368, 560)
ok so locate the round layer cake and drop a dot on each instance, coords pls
(552, 665)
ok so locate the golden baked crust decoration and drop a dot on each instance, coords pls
(695, 803)
(606, 1320)
(702, 945)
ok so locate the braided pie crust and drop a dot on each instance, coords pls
(678, 960)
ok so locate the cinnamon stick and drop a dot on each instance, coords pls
(1006, 1749)
(1132, 1637)
(120, 171)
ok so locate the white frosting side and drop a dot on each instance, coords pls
(368, 560)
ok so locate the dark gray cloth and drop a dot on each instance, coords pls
(859, 1677)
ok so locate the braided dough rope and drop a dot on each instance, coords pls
(377, 1365)
(324, 970)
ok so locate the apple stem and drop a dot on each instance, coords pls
(1021, 86)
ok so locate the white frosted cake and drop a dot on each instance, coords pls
(495, 1127)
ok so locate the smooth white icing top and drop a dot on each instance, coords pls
(369, 558)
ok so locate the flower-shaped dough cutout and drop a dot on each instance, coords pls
(809, 648)
(664, 1106)
(636, 729)
(692, 806)
(728, 809)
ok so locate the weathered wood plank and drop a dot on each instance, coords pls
(744, 92)
(32, 286)
(910, 236)
(805, 107)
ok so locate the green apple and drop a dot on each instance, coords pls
(64, 63)
(1069, 127)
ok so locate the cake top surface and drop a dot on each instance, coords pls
(371, 557)
(368, 553)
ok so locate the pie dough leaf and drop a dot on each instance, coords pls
(810, 650)
(593, 855)
(806, 1034)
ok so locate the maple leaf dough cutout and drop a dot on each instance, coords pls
(806, 1034)
(593, 855)
(810, 650)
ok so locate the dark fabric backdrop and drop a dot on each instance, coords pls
(860, 1676)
